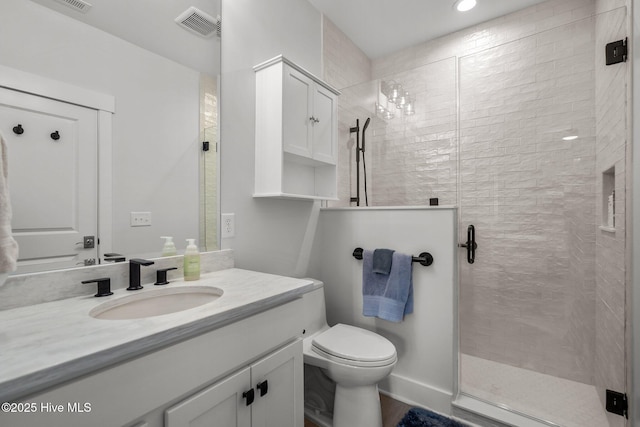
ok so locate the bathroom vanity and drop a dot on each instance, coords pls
(236, 361)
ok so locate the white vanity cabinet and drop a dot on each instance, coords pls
(221, 404)
(264, 394)
(201, 378)
(296, 133)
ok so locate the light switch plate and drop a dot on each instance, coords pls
(140, 219)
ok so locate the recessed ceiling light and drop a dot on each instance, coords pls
(464, 5)
(570, 137)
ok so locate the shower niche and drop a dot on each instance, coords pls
(296, 133)
(608, 222)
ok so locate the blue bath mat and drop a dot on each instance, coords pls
(418, 417)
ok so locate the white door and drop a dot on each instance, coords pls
(278, 382)
(52, 148)
(221, 405)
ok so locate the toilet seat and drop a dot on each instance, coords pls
(354, 346)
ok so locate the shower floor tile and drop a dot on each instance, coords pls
(560, 401)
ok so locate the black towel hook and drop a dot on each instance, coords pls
(18, 130)
(55, 136)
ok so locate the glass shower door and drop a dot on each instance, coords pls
(541, 310)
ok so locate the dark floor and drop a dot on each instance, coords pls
(392, 412)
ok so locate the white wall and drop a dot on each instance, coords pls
(155, 126)
(425, 339)
(270, 234)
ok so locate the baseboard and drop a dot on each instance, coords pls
(416, 393)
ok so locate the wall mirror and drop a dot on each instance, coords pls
(159, 62)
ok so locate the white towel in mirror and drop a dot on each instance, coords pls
(8, 245)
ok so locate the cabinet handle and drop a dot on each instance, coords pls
(249, 396)
(263, 387)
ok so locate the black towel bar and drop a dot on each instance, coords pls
(424, 258)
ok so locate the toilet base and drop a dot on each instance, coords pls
(357, 406)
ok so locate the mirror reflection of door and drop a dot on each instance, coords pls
(52, 179)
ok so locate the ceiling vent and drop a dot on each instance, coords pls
(198, 22)
(77, 5)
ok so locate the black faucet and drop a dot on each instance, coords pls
(134, 273)
(113, 257)
(104, 286)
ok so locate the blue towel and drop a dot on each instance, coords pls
(388, 297)
(382, 261)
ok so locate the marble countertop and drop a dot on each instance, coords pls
(45, 344)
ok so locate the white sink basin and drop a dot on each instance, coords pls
(156, 302)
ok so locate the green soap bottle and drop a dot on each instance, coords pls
(191, 261)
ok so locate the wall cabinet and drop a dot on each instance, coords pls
(296, 133)
(264, 394)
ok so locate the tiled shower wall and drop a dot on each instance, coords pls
(344, 65)
(411, 159)
(563, 300)
(400, 176)
(396, 171)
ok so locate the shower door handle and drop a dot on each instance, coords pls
(471, 244)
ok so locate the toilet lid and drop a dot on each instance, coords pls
(355, 346)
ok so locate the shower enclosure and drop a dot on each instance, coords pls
(527, 135)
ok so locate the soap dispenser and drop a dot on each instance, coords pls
(191, 261)
(169, 249)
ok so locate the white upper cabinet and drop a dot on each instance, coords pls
(296, 133)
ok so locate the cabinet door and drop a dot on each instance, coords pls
(297, 113)
(324, 135)
(282, 404)
(220, 405)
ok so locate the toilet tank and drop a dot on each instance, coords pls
(315, 314)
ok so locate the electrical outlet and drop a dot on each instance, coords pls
(140, 219)
(228, 225)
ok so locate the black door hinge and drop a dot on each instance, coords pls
(616, 403)
(205, 145)
(616, 52)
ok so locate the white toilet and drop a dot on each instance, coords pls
(354, 358)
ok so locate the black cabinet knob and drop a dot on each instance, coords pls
(263, 387)
(249, 396)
